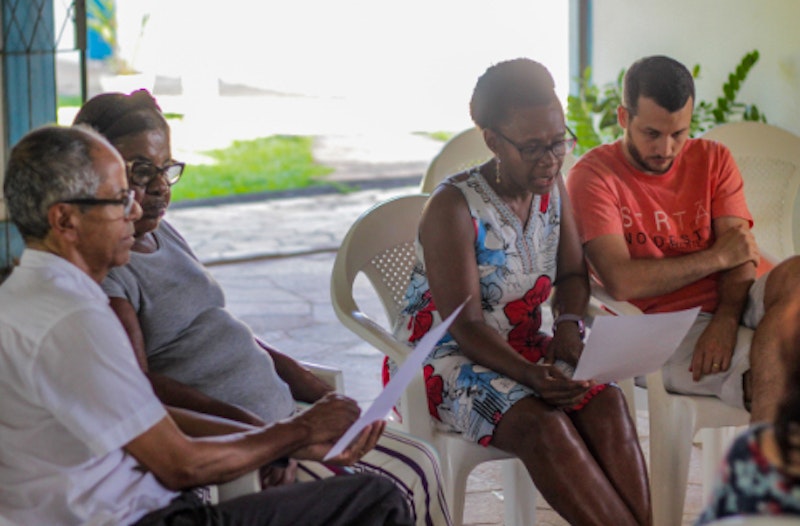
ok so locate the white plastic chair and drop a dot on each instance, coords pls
(250, 482)
(769, 159)
(463, 151)
(380, 244)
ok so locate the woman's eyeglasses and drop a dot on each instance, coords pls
(142, 173)
(534, 152)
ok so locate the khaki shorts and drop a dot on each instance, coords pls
(727, 385)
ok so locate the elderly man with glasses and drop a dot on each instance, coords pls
(83, 438)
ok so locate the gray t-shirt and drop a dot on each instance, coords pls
(188, 333)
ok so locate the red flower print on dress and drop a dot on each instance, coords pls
(544, 203)
(434, 385)
(422, 320)
(485, 440)
(525, 316)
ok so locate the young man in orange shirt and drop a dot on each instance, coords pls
(665, 226)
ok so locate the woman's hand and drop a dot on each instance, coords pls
(566, 345)
(554, 387)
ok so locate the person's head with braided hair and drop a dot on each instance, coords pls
(136, 127)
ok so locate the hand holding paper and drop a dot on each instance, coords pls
(622, 347)
(400, 380)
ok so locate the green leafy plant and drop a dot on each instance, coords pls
(726, 108)
(592, 112)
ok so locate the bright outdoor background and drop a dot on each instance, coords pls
(375, 78)
(367, 65)
(401, 65)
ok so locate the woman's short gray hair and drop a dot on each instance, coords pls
(47, 166)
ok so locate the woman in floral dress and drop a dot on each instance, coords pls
(501, 236)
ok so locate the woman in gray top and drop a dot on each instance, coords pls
(195, 353)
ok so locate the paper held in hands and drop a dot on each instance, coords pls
(400, 380)
(620, 347)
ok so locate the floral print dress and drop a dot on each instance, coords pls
(517, 266)
(749, 484)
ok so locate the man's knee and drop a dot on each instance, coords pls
(783, 285)
(386, 497)
(371, 485)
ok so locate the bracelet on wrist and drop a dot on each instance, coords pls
(574, 318)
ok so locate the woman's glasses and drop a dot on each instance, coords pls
(142, 173)
(534, 152)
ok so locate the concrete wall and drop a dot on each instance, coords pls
(712, 33)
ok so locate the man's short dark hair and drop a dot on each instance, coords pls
(663, 79)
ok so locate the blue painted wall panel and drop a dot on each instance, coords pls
(29, 92)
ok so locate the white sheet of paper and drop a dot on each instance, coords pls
(620, 347)
(381, 406)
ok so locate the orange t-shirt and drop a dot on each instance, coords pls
(660, 216)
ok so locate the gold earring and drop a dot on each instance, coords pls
(497, 171)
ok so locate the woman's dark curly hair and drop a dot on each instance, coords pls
(509, 85)
(116, 115)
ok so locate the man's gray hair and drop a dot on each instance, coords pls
(47, 166)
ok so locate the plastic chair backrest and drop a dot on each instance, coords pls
(769, 159)
(380, 244)
(464, 150)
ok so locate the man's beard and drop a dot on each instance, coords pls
(640, 160)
